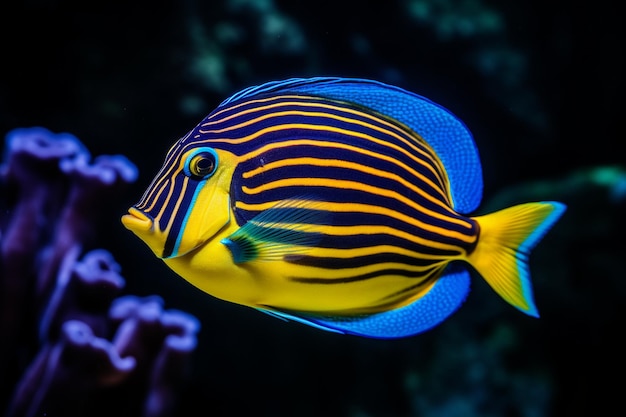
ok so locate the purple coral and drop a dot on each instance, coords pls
(78, 362)
(141, 365)
(69, 340)
(163, 340)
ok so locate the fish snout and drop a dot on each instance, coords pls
(137, 221)
(146, 228)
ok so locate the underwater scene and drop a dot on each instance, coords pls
(408, 208)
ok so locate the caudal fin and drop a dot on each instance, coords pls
(506, 239)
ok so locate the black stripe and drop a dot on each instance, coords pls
(410, 290)
(356, 261)
(179, 215)
(362, 277)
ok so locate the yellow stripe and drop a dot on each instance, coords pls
(355, 208)
(433, 161)
(155, 198)
(385, 230)
(338, 163)
(399, 134)
(167, 180)
(245, 103)
(170, 191)
(385, 122)
(304, 142)
(334, 274)
(350, 185)
(178, 203)
(163, 175)
(404, 130)
(154, 191)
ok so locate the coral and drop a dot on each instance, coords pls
(72, 345)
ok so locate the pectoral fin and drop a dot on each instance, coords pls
(289, 228)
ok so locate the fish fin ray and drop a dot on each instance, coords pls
(309, 321)
(285, 229)
(506, 239)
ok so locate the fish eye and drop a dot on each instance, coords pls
(201, 164)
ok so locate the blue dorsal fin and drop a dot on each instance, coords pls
(439, 303)
(285, 229)
(448, 136)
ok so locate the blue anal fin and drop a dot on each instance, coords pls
(439, 303)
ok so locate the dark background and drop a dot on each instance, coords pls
(541, 86)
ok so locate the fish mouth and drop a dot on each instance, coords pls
(146, 229)
(137, 221)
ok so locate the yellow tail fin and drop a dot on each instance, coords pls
(505, 241)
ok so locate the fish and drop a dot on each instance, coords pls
(341, 203)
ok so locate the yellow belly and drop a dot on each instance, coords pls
(269, 283)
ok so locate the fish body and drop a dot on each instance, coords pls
(340, 203)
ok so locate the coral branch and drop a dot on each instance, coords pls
(88, 351)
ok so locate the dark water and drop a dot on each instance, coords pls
(541, 88)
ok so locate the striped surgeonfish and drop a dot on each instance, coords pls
(339, 203)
